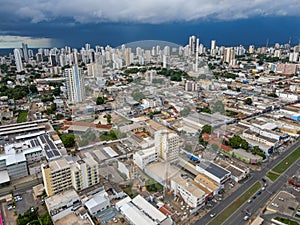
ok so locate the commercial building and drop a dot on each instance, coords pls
(245, 156)
(143, 157)
(196, 121)
(213, 171)
(17, 157)
(61, 205)
(98, 203)
(191, 192)
(139, 211)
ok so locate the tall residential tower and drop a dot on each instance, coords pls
(75, 84)
(18, 60)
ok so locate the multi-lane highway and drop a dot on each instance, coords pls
(237, 217)
(261, 200)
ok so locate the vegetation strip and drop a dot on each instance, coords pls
(272, 176)
(287, 162)
(226, 213)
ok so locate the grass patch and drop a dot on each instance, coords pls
(104, 137)
(22, 117)
(129, 192)
(226, 213)
(153, 186)
(272, 176)
(286, 221)
(287, 162)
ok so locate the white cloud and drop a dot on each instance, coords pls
(148, 11)
(9, 41)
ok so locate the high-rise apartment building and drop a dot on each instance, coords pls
(25, 52)
(84, 173)
(61, 175)
(251, 49)
(56, 176)
(166, 144)
(192, 44)
(18, 60)
(213, 47)
(75, 84)
(229, 55)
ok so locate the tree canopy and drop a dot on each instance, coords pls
(248, 101)
(68, 140)
(100, 101)
(206, 129)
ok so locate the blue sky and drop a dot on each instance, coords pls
(43, 23)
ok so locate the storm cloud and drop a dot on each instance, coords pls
(144, 11)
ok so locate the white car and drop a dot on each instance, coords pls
(246, 218)
(212, 215)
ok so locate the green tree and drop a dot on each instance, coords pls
(235, 141)
(108, 118)
(56, 91)
(33, 88)
(68, 140)
(206, 129)
(248, 101)
(100, 101)
(53, 107)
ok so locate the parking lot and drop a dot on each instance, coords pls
(284, 203)
(22, 204)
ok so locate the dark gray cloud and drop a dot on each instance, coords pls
(144, 11)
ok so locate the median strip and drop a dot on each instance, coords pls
(227, 212)
(281, 167)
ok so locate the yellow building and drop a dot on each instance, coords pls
(56, 176)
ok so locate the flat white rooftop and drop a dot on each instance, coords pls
(110, 152)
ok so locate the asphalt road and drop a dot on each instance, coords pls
(237, 217)
(261, 200)
(20, 187)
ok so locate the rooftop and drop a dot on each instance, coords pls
(4, 178)
(58, 200)
(213, 169)
(49, 147)
(190, 186)
(59, 164)
(206, 181)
